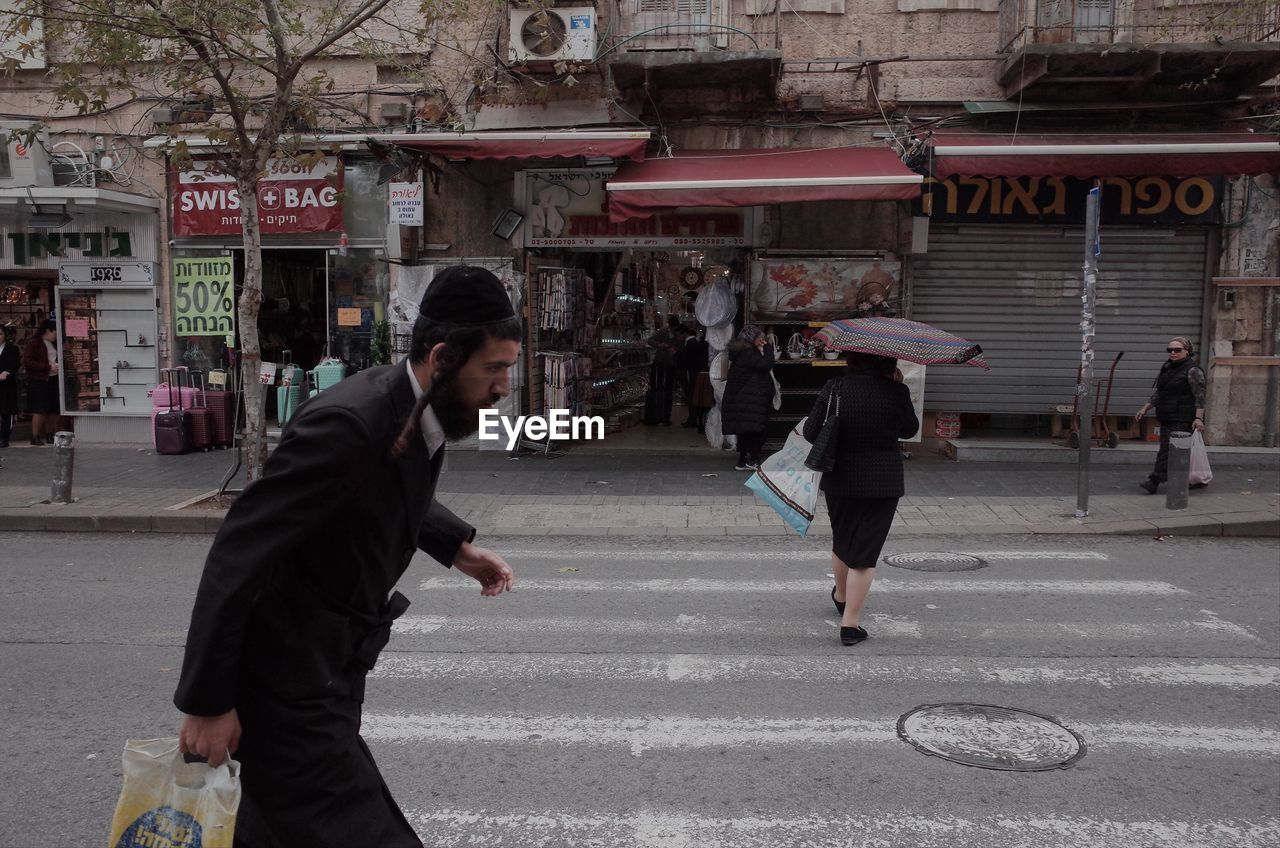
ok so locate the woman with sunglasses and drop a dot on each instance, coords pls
(1178, 401)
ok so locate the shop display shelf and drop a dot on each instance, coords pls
(126, 336)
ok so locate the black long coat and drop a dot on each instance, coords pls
(748, 393)
(874, 413)
(293, 609)
(10, 360)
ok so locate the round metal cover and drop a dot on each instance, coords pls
(936, 561)
(991, 737)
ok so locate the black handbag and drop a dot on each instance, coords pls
(822, 456)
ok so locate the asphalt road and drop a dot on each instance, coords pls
(635, 694)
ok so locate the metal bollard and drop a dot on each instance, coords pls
(64, 462)
(1179, 470)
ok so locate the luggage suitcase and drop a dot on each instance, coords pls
(161, 396)
(289, 393)
(325, 375)
(201, 416)
(222, 403)
(173, 426)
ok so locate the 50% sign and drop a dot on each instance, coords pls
(204, 296)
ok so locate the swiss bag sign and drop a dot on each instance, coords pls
(292, 198)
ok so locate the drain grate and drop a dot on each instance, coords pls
(990, 737)
(936, 561)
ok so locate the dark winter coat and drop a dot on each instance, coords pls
(10, 360)
(748, 393)
(874, 413)
(1175, 396)
(293, 609)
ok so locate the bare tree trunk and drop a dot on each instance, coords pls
(250, 347)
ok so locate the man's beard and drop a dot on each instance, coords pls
(458, 419)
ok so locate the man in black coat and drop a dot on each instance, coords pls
(297, 599)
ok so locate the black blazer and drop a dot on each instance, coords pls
(294, 596)
(874, 413)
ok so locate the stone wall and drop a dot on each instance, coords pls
(1237, 393)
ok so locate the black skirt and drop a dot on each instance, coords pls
(42, 397)
(859, 527)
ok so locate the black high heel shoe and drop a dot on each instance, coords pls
(852, 635)
(839, 606)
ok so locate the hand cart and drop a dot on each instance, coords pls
(1100, 432)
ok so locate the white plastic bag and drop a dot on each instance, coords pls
(720, 366)
(785, 483)
(777, 391)
(1201, 473)
(165, 801)
(716, 304)
(715, 435)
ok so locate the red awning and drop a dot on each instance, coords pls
(1086, 156)
(758, 177)
(526, 144)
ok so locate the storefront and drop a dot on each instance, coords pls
(325, 275)
(794, 295)
(643, 243)
(610, 253)
(86, 258)
(1005, 256)
(599, 289)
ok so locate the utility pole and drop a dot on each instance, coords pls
(1088, 323)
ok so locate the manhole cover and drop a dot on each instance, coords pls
(935, 561)
(991, 737)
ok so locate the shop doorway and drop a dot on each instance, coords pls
(603, 342)
(294, 305)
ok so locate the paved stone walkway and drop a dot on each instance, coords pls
(131, 489)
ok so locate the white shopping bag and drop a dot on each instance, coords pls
(166, 801)
(786, 484)
(1201, 473)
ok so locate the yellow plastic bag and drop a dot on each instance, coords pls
(166, 803)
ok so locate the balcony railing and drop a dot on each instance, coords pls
(686, 25)
(1028, 22)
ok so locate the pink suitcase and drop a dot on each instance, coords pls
(222, 403)
(185, 395)
(201, 416)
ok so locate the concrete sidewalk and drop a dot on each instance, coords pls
(134, 490)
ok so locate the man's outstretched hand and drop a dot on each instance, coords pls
(485, 567)
(211, 737)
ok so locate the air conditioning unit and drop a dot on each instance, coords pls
(560, 34)
(23, 164)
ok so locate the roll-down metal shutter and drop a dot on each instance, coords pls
(1016, 292)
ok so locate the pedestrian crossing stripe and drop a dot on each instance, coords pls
(644, 733)
(452, 828)
(706, 668)
(894, 585)
(793, 553)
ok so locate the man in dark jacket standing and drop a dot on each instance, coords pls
(297, 600)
